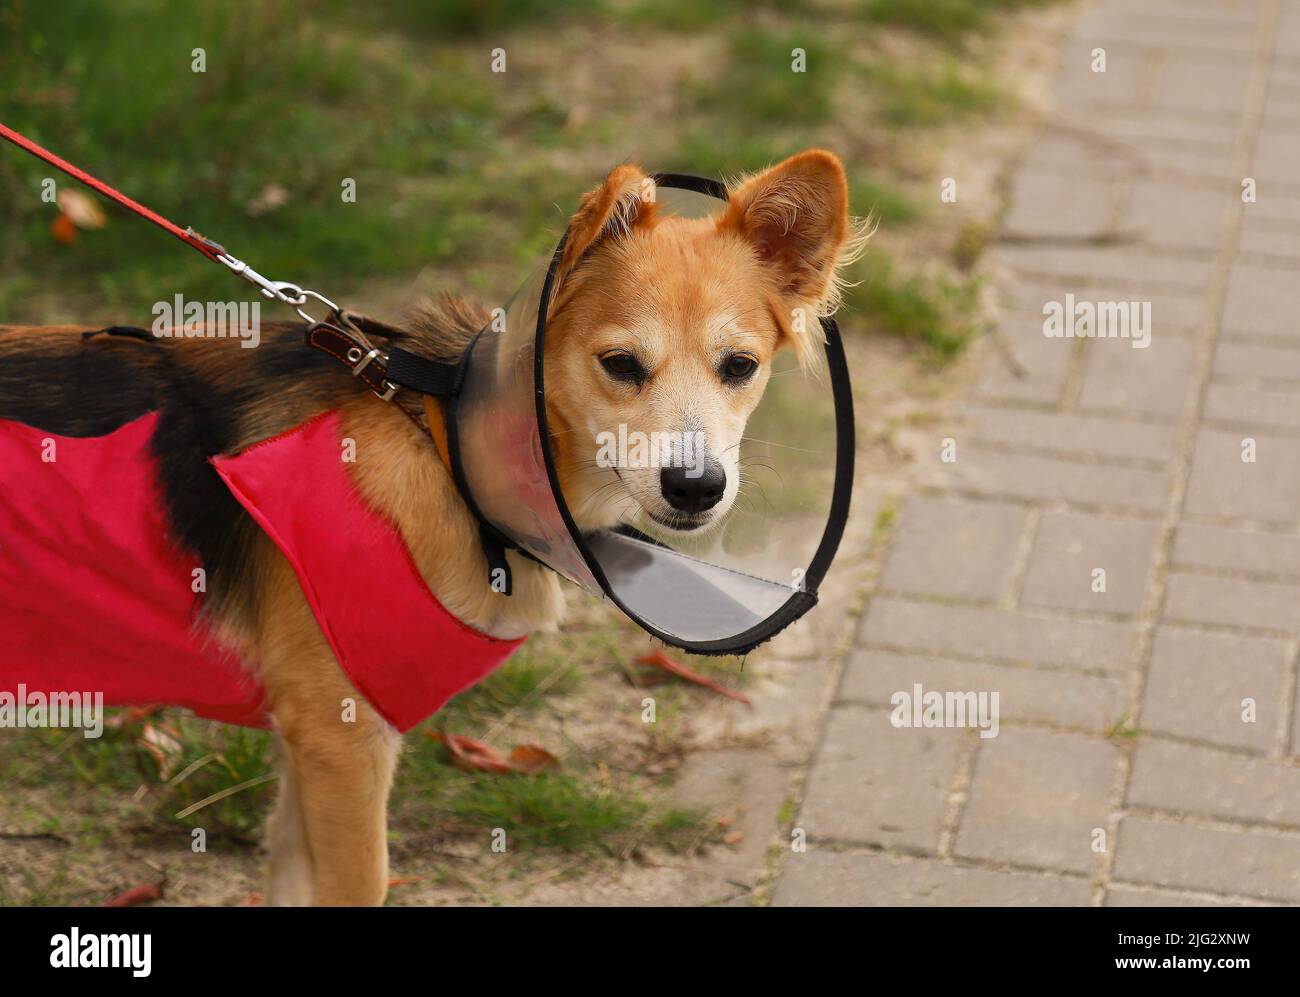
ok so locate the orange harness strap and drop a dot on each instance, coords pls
(437, 429)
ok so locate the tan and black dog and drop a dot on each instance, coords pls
(656, 323)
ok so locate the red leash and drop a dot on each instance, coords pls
(280, 290)
(186, 235)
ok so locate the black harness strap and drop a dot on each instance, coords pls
(429, 377)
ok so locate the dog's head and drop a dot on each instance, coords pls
(662, 332)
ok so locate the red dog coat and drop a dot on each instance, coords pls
(94, 597)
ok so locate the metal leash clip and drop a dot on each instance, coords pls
(278, 290)
(294, 296)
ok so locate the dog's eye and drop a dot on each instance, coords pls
(623, 366)
(739, 367)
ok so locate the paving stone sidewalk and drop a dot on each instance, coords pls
(1148, 739)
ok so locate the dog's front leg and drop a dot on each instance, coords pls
(328, 836)
(339, 774)
(291, 880)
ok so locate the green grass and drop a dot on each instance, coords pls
(119, 763)
(936, 311)
(563, 812)
(537, 671)
(435, 19)
(950, 21)
(286, 100)
(229, 757)
(935, 94)
(456, 167)
(761, 87)
(577, 810)
(883, 202)
(695, 15)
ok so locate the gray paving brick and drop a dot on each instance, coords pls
(1172, 312)
(1174, 214)
(1198, 681)
(1266, 237)
(1261, 300)
(1282, 101)
(1116, 267)
(1128, 896)
(1270, 205)
(1194, 779)
(1276, 154)
(1009, 475)
(877, 784)
(1090, 434)
(1069, 547)
(822, 878)
(1070, 154)
(1239, 602)
(1160, 136)
(1253, 407)
(1059, 206)
(1146, 26)
(1237, 358)
(1199, 85)
(1140, 142)
(1288, 35)
(1252, 863)
(1021, 810)
(1069, 699)
(1069, 433)
(1039, 368)
(995, 634)
(1236, 550)
(953, 548)
(1222, 484)
(1192, 159)
(1153, 381)
(1077, 84)
(1294, 747)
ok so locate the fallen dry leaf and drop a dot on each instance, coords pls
(660, 659)
(472, 755)
(162, 742)
(269, 198)
(142, 894)
(63, 230)
(131, 715)
(532, 758)
(81, 208)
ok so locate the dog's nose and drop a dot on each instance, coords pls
(688, 491)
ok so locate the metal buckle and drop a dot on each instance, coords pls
(360, 361)
(364, 362)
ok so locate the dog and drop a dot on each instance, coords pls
(656, 323)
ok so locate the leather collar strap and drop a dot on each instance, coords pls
(364, 360)
(382, 372)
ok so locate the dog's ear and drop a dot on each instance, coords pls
(795, 215)
(625, 200)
